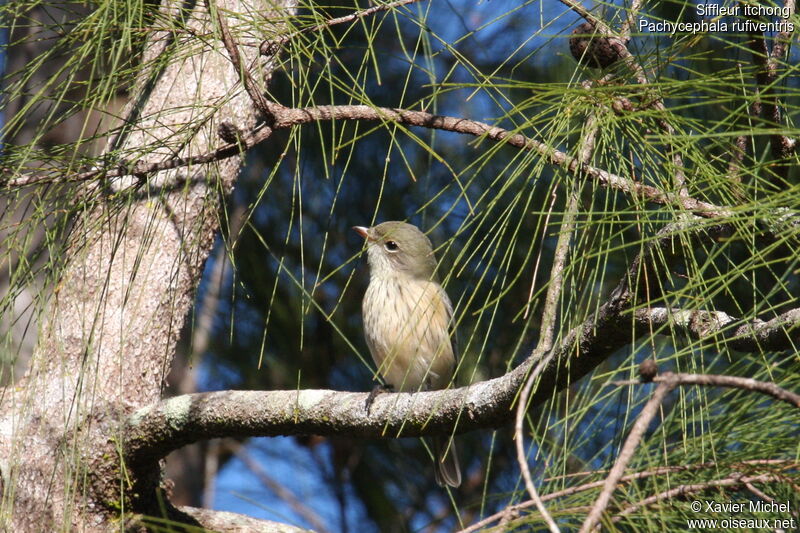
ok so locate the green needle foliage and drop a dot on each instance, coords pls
(284, 286)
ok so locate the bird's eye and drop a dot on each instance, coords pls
(391, 246)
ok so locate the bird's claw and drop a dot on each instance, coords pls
(378, 389)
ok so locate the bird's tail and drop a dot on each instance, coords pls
(447, 469)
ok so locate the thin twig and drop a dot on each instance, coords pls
(681, 490)
(578, 8)
(668, 382)
(550, 312)
(630, 20)
(766, 79)
(734, 382)
(783, 463)
(625, 455)
(521, 457)
(255, 93)
(719, 380)
(739, 151)
(515, 509)
(619, 44)
(757, 492)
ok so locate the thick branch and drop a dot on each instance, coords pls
(779, 333)
(156, 430)
(159, 429)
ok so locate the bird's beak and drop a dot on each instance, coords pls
(361, 230)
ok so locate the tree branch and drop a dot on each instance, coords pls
(630, 20)
(158, 429)
(285, 117)
(289, 117)
(155, 431)
(766, 79)
(779, 333)
(227, 522)
(734, 382)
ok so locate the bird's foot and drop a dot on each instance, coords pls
(374, 394)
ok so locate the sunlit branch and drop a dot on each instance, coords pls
(288, 117)
(779, 333)
(578, 8)
(757, 492)
(285, 117)
(733, 382)
(630, 20)
(171, 424)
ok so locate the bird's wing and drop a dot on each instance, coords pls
(451, 323)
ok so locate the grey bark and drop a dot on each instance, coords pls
(130, 274)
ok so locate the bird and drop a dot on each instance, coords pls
(407, 322)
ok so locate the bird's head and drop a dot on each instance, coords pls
(398, 249)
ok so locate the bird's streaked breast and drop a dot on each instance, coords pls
(406, 324)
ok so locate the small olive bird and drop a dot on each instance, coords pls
(407, 320)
